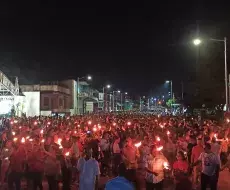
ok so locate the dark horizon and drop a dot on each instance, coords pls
(134, 48)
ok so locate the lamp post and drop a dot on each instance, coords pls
(198, 42)
(170, 81)
(78, 85)
(118, 91)
(122, 100)
(105, 97)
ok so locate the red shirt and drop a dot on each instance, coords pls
(16, 161)
(36, 161)
(180, 165)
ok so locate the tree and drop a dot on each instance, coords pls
(170, 102)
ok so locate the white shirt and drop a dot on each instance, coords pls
(88, 169)
(209, 163)
(155, 164)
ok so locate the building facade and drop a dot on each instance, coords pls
(50, 98)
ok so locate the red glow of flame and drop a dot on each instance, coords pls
(166, 165)
(67, 154)
(138, 144)
(15, 139)
(160, 148)
(158, 138)
(59, 141)
(23, 140)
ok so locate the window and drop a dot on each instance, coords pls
(46, 101)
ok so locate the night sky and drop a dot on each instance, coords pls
(134, 47)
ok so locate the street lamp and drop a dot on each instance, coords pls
(122, 99)
(170, 81)
(198, 42)
(108, 86)
(118, 91)
(78, 85)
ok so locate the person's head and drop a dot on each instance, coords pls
(106, 136)
(207, 148)
(180, 156)
(154, 150)
(88, 152)
(199, 141)
(36, 147)
(128, 142)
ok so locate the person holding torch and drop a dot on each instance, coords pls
(155, 165)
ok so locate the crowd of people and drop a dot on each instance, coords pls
(135, 150)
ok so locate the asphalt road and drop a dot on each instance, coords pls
(224, 183)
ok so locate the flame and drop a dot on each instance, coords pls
(94, 129)
(89, 122)
(43, 140)
(59, 141)
(15, 139)
(7, 158)
(15, 121)
(114, 124)
(99, 127)
(160, 148)
(75, 132)
(67, 154)
(35, 123)
(30, 140)
(215, 135)
(60, 147)
(138, 144)
(13, 133)
(228, 120)
(27, 137)
(78, 125)
(48, 123)
(129, 123)
(41, 131)
(162, 126)
(166, 165)
(168, 133)
(23, 140)
(158, 138)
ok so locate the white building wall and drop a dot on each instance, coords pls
(32, 103)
